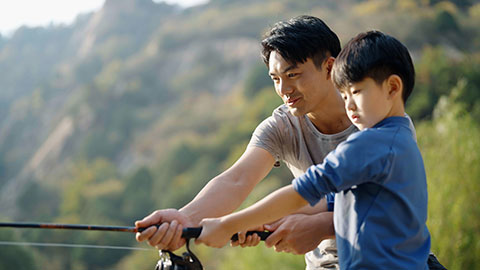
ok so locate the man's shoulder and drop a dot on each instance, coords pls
(282, 111)
(282, 117)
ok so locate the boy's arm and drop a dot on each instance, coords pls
(354, 162)
(217, 232)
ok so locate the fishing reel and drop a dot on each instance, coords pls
(170, 261)
(188, 261)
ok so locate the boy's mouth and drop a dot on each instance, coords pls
(354, 117)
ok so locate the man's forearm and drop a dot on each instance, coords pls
(226, 192)
(218, 198)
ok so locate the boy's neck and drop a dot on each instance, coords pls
(397, 109)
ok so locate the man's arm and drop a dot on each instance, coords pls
(232, 187)
(222, 195)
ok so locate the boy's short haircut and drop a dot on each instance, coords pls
(375, 55)
(300, 38)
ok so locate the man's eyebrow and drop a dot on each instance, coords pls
(290, 68)
(285, 70)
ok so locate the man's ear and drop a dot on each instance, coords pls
(395, 86)
(329, 65)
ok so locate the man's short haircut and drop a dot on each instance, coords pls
(375, 55)
(300, 38)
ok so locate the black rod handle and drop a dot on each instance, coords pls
(194, 232)
(263, 235)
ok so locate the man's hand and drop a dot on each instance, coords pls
(300, 233)
(168, 235)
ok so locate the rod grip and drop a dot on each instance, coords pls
(194, 232)
(191, 232)
(263, 235)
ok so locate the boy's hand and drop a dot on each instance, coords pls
(214, 233)
(248, 241)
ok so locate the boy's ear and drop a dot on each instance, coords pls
(395, 86)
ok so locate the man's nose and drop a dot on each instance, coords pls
(284, 88)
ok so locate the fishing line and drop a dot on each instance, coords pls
(13, 243)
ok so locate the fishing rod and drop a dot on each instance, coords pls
(190, 232)
(70, 227)
(168, 260)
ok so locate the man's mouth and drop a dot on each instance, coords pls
(291, 101)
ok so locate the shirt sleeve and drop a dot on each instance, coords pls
(268, 135)
(330, 201)
(360, 159)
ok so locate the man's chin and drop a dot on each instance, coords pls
(296, 112)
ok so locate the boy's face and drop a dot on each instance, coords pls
(367, 102)
(301, 86)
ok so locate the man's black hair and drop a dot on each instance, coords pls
(374, 55)
(300, 38)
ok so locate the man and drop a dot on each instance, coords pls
(299, 54)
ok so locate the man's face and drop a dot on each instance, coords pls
(301, 86)
(367, 102)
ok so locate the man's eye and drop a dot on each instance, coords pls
(275, 79)
(354, 92)
(292, 75)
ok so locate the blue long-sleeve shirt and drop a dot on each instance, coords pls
(381, 202)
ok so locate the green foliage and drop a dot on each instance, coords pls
(92, 192)
(15, 257)
(139, 201)
(448, 146)
(261, 258)
(437, 74)
(256, 80)
(40, 201)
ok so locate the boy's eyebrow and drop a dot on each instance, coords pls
(293, 66)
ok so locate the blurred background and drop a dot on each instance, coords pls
(135, 105)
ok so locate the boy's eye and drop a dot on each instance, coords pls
(275, 79)
(292, 75)
(354, 92)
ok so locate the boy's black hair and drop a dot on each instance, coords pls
(300, 38)
(375, 55)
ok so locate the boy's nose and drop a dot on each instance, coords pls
(350, 105)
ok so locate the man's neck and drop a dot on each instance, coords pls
(331, 117)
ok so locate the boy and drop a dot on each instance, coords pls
(377, 173)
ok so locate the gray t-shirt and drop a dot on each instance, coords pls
(298, 143)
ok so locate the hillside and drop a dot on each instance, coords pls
(135, 107)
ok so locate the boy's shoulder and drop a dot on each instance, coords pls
(383, 134)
